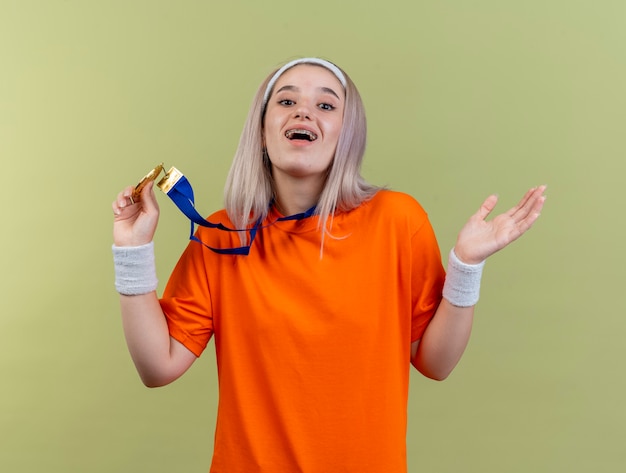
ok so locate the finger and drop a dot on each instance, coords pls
(148, 198)
(533, 195)
(524, 225)
(522, 203)
(534, 206)
(123, 200)
(487, 206)
(125, 197)
(527, 204)
(535, 210)
(537, 198)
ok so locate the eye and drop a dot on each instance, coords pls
(286, 102)
(326, 106)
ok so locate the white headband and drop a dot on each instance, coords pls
(305, 60)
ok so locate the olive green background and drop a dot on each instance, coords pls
(464, 98)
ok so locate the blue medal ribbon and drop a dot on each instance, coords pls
(181, 193)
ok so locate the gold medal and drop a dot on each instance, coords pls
(151, 176)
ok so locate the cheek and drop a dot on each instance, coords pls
(270, 129)
(269, 138)
(336, 131)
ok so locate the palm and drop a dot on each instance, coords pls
(480, 238)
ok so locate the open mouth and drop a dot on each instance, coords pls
(300, 134)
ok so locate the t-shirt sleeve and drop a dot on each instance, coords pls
(186, 301)
(428, 276)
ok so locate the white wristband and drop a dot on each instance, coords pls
(135, 270)
(462, 285)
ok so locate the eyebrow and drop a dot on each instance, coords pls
(293, 88)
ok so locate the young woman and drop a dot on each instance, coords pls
(316, 327)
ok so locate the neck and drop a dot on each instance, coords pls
(294, 196)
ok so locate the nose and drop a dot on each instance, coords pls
(302, 111)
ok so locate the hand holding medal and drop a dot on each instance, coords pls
(136, 209)
(137, 212)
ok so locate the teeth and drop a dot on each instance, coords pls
(301, 134)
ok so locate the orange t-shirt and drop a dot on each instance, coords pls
(313, 353)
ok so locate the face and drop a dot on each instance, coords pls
(303, 122)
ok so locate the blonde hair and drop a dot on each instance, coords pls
(249, 185)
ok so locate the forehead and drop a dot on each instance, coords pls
(310, 75)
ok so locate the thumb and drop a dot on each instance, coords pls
(487, 207)
(148, 199)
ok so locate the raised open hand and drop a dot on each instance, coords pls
(480, 238)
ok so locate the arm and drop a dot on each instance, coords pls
(447, 335)
(443, 342)
(159, 359)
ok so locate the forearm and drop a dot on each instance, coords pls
(447, 334)
(444, 340)
(159, 359)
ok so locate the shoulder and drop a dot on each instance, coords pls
(395, 199)
(393, 209)
(397, 205)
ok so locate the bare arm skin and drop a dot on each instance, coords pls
(447, 335)
(443, 342)
(159, 359)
